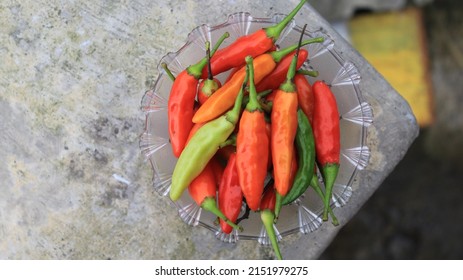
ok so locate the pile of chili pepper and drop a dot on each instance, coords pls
(256, 141)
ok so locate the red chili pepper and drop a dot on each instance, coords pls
(254, 45)
(278, 75)
(230, 194)
(304, 95)
(218, 168)
(327, 136)
(210, 85)
(203, 191)
(252, 146)
(267, 216)
(180, 107)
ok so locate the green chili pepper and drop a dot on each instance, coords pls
(305, 146)
(203, 146)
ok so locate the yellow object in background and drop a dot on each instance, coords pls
(394, 43)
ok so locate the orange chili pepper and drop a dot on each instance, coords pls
(252, 146)
(203, 191)
(224, 97)
(327, 137)
(284, 127)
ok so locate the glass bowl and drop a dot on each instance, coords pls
(303, 215)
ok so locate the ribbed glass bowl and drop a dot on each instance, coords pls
(304, 215)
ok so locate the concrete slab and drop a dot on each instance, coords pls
(74, 183)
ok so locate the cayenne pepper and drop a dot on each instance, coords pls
(180, 106)
(327, 136)
(284, 127)
(252, 146)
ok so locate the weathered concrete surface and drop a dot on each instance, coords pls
(74, 185)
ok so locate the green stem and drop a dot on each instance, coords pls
(266, 105)
(288, 85)
(196, 70)
(230, 141)
(253, 103)
(274, 31)
(210, 205)
(267, 218)
(168, 72)
(208, 56)
(311, 73)
(278, 55)
(260, 95)
(330, 172)
(316, 186)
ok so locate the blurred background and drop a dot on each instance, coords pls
(418, 47)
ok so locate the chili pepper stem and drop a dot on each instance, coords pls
(280, 54)
(210, 205)
(311, 73)
(168, 72)
(329, 171)
(230, 141)
(196, 70)
(267, 217)
(253, 103)
(275, 30)
(316, 187)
